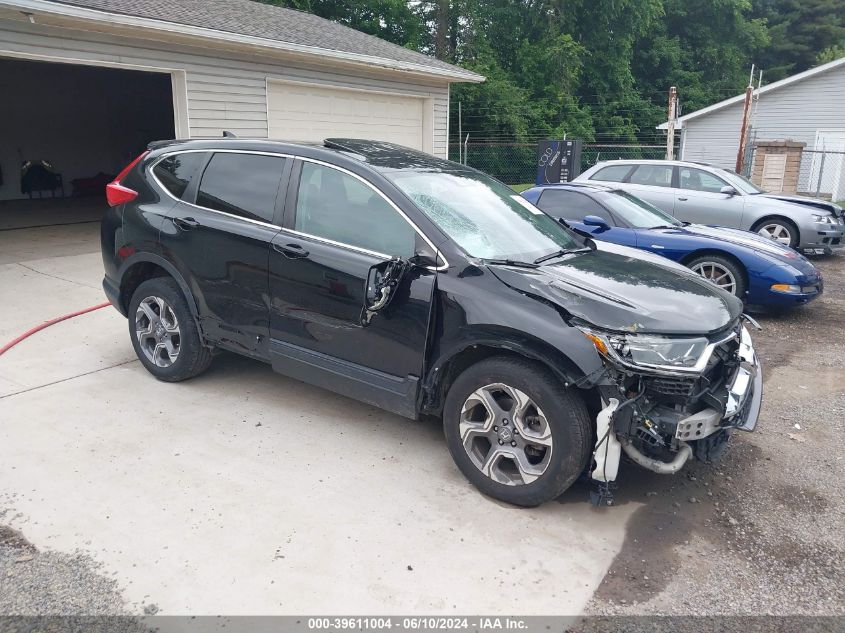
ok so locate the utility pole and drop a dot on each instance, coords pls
(743, 131)
(673, 115)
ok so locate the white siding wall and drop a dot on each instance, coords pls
(795, 111)
(225, 91)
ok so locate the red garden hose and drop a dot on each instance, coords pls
(46, 324)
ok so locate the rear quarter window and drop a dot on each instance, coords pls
(613, 173)
(175, 172)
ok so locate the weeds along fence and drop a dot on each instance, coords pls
(515, 163)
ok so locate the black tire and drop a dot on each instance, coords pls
(790, 227)
(566, 416)
(193, 357)
(736, 270)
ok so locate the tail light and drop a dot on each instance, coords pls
(118, 194)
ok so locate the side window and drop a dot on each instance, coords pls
(699, 180)
(613, 173)
(241, 184)
(336, 206)
(175, 172)
(654, 175)
(571, 205)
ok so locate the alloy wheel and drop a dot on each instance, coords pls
(717, 274)
(506, 435)
(158, 332)
(777, 232)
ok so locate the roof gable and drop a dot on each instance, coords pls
(767, 88)
(277, 26)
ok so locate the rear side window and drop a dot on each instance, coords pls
(614, 173)
(654, 175)
(241, 184)
(175, 172)
(571, 205)
(338, 207)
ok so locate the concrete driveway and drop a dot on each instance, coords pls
(244, 492)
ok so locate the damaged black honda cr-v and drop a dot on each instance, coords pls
(427, 288)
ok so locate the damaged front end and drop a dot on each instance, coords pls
(667, 399)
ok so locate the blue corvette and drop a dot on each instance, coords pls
(759, 271)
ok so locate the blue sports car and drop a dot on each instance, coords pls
(759, 271)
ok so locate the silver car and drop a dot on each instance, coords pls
(704, 194)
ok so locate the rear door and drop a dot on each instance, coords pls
(338, 226)
(219, 238)
(653, 182)
(699, 199)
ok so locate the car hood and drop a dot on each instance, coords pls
(733, 236)
(774, 252)
(824, 205)
(626, 293)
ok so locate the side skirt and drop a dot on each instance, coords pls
(386, 391)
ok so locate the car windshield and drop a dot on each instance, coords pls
(741, 182)
(485, 218)
(636, 212)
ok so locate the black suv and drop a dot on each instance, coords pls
(426, 288)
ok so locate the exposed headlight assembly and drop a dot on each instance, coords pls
(823, 219)
(650, 352)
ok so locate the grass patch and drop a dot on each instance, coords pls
(522, 187)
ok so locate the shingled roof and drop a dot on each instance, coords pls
(274, 24)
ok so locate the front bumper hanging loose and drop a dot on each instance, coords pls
(741, 411)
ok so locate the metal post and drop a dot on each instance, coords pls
(821, 173)
(465, 148)
(670, 132)
(460, 133)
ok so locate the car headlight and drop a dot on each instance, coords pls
(823, 219)
(653, 352)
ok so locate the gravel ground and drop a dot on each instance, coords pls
(763, 531)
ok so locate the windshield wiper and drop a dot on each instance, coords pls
(510, 262)
(665, 226)
(561, 253)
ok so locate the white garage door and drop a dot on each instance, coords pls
(311, 113)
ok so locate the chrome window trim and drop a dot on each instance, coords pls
(319, 238)
(198, 206)
(367, 183)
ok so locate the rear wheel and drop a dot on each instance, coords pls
(781, 231)
(164, 332)
(515, 431)
(722, 271)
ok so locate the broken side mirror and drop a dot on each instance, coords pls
(383, 279)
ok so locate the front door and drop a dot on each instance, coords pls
(219, 237)
(699, 199)
(342, 226)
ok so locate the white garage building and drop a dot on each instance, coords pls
(88, 83)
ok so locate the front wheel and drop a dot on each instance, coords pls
(721, 271)
(515, 432)
(781, 231)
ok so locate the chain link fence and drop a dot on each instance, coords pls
(822, 174)
(515, 163)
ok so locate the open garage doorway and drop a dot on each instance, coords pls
(67, 129)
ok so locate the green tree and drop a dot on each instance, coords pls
(800, 31)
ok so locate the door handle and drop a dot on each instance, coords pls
(291, 251)
(186, 224)
(683, 199)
